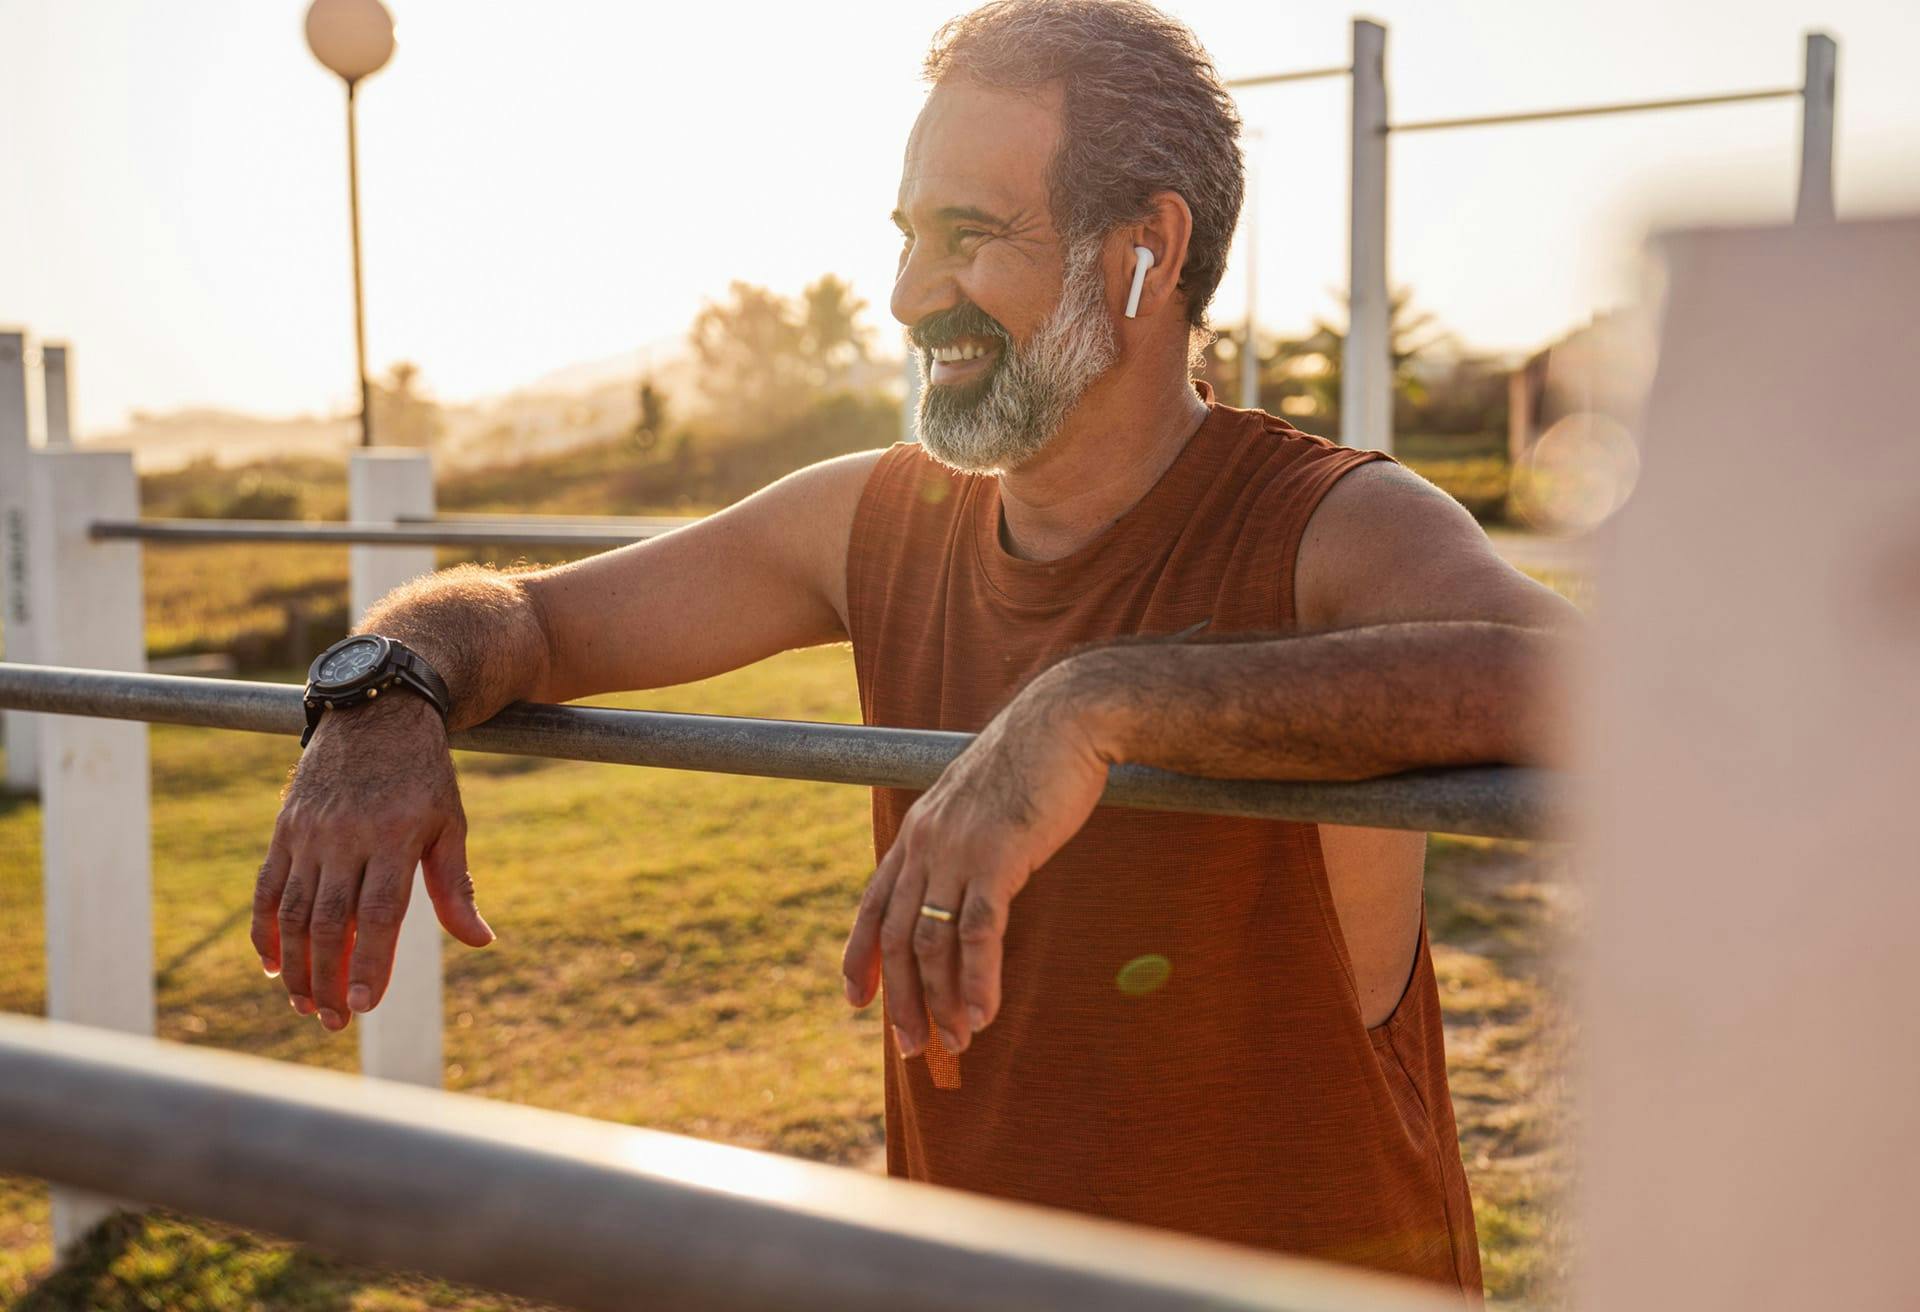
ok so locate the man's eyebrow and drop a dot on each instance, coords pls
(953, 214)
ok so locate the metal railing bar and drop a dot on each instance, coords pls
(1487, 801)
(610, 522)
(1590, 111)
(580, 1212)
(402, 534)
(1273, 79)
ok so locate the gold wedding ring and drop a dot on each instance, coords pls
(932, 912)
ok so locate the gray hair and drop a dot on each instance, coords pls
(1144, 111)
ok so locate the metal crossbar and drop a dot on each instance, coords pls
(658, 523)
(1489, 801)
(436, 534)
(585, 1213)
(1592, 111)
(1272, 79)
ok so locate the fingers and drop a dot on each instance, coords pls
(384, 895)
(266, 901)
(328, 933)
(949, 968)
(936, 949)
(981, 931)
(444, 866)
(860, 963)
(296, 908)
(906, 1004)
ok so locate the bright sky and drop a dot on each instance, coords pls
(556, 183)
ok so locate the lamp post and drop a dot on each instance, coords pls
(353, 38)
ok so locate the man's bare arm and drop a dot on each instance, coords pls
(1441, 654)
(375, 793)
(763, 576)
(1350, 704)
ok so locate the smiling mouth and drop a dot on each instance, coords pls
(962, 360)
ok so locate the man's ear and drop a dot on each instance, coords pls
(1166, 230)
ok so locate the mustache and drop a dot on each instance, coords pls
(944, 327)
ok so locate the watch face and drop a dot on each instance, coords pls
(349, 662)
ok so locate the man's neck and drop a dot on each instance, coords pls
(1115, 445)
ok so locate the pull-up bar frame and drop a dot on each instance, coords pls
(1366, 392)
(1592, 111)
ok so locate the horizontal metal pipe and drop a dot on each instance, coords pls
(1303, 75)
(580, 1212)
(414, 535)
(1491, 801)
(1591, 111)
(612, 523)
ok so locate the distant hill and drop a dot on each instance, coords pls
(590, 402)
(169, 441)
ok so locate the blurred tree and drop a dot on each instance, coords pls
(1317, 365)
(1300, 378)
(832, 335)
(749, 349)
(402, 415)
(764, 359)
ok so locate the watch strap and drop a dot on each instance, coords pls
(420, 676)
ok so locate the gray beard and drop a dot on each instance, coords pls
(1006, 419)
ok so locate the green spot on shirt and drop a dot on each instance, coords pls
(1143, 975)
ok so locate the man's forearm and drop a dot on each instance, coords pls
(1351, 704)
(479, 628)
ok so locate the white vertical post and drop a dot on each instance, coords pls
(94, 785)
(909, 424)
(1366, 382)
(400, 1039)
(56, 396)
(1817, 92)
(23, 771)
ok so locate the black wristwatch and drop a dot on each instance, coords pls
(358, 669)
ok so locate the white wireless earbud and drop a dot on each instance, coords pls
(1142, 261)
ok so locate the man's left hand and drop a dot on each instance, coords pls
(968, 845)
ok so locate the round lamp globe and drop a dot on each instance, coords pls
(351, 37)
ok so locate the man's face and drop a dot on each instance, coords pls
(1010, 325)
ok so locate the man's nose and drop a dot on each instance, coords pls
(920, 288)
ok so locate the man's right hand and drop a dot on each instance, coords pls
(373, 796)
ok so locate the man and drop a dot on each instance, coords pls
(1228, 1027)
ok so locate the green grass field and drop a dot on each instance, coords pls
(669, 957)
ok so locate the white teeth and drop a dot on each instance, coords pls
(955, 354)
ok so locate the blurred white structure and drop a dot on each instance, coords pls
(1751, 1070)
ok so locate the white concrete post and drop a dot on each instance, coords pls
(94, 784)
(22, 731)
(54, 391)
(1366, 382)
(1817, 92)
(399, 1039)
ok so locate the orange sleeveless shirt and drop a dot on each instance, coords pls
(1180, 1042)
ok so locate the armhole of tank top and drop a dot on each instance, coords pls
(1298, 504)
(1325, 468)
(860, 559)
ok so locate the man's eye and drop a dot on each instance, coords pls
(968, 234)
